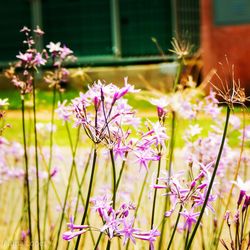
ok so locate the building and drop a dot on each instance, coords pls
(102, 31)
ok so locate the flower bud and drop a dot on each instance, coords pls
(241, 196)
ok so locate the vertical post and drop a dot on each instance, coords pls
(115, 28)
(36, 19)
(174, 7)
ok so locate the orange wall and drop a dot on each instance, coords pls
(218, 41)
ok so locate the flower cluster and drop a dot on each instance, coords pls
(60, 55)
(107, 118)
(188, 194)
(103, 112)
(29, 61)
(239, 219)
(116, 223)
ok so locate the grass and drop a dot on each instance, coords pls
(145, 111)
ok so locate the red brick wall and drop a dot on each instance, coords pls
(218, 41)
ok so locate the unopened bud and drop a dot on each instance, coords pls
(241, 196)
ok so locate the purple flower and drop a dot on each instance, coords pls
(148, 236)
(69, 235)
(65, 51)
(39, 60)
(246, 203)
(112, 223)
(127, 231)
(26, 57)
(190, 219)
(144, 157)
(64, 112)
(199, 199)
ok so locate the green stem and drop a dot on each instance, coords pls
(67, 193)
(114, 187)
(178, 74)
(211, 181)
(49, 165)
(186, 241)
(98, 241)
(26, 170)
(139, 201)
(169, 164)
(217, 238)
(155, 194)
(37, 167)
(88, 195)
(175, 227)
(114, 176)
(121, 171)
(80, 195)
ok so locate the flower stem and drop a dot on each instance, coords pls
(211, 181)
(37, 167)
(114, 187)
(139, 201)
(175, 227)
(88, 195)
(169, 165)
(121, 171)
(155, 193)
(114, 176)
(216, 241)
(26, 170)
(49, 164)
(67, 189)
(178, 74)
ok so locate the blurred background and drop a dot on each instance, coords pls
(117, 38)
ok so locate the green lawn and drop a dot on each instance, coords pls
(44, 100)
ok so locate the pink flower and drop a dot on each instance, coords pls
(38, 31)
(69, 235)
(148, 236)
(26, 57)
(65, 51)
(39, 60)
(54, 47)
(127, 231)
(190, 218)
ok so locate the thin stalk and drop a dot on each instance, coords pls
(26, 170)
(211, 181)
(178, 74)
(98, 241)
(68, 186)
(155, 193)
(80, 194)
(121, 171)
(88, 195)
(216, 242)
(73, 151)
(114, 176)
(37, 167)
(169, 164)
(202, 238)
(114, 187)
(175, 227)
(186, 241)
(50, 163)
(139, 201)
(64, 206)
